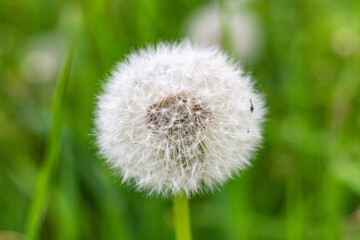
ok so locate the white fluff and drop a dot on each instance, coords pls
(177, 118)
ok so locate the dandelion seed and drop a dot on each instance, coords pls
(173, 118)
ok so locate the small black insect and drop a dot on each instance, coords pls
(251, 106)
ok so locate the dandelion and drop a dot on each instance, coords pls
(40, 65)
(177, 120)
(206, 25)
(42, 58)
(345, 42)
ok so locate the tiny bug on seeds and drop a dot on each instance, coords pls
(251, 106)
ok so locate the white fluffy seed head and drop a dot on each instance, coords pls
(178, 118)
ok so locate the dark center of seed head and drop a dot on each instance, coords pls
(178, 116)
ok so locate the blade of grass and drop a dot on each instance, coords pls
(66, 193)
(227, 42)
(294, 219)
(241, 212)
(41, 192)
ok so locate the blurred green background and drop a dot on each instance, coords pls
(304, 182)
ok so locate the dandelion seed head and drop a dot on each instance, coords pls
(174, 118)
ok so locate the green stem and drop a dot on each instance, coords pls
(41, 192)
(182, 217)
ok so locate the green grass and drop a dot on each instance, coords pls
(51, 158)
(304, 182)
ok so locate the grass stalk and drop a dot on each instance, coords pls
(41, 193)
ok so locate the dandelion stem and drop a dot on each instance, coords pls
(182, 217)
(41, 192)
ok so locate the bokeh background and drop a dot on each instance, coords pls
(305, 56)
